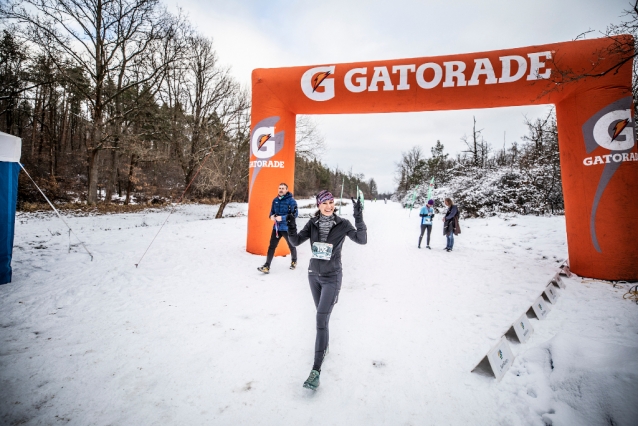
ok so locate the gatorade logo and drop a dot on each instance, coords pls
(318, 83)
(611, 128)
(619, 127)
(265, 142)
(261, 140)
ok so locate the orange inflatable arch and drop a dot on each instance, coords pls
(598, 156)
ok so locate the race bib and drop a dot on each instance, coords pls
(321, 251)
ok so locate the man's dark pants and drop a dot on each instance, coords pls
(274, 242)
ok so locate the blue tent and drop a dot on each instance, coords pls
(10, 149)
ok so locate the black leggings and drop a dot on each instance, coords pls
(423, 228)
(274, 242)
(325, 292)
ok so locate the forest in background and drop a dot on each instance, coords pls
(122, 102)
(522, 178)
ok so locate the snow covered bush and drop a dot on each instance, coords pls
(524, 179)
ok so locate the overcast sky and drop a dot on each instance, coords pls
(252, 34)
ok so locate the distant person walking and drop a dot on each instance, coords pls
(281, 205)
(426, 214)
(451, 223)
(326, 232)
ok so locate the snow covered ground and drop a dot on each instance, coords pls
(197, 336)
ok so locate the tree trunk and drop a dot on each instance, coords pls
(225, 200)
(96, 135)
(119, 183)
(129, 183)
(91, 198)
(475, 152)
(65, 121)
(94, 151)
(112, 172)
(112, 176)
(192, 164)
(41, 122)
(34, 128)
(52, 159)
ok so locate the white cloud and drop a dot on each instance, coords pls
(267, 34)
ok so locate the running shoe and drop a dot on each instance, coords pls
(265, 269)
(293, 264)
(312, 382)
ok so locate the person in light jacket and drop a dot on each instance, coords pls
(426, 214)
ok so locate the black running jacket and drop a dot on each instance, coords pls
(336, 236)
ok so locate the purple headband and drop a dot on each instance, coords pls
(324, 195)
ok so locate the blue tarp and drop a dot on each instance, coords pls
(8, 199)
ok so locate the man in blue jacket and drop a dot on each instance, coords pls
(281, 206)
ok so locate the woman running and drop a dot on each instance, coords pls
(326, 232)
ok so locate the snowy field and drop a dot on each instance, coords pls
(197, 336)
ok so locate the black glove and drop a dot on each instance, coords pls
(358, 209)
(290, 218)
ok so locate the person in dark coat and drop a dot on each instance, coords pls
(281, 205)
(326, 232)
(451, 223)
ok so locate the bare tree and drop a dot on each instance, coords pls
(412, 169)
(310, 143)
(153, 48)
(621, 51)
(540, 160)
(100, 38)
(122, 92)
(228, 172)
(477, 147)
(542, 131)
(203, 99)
